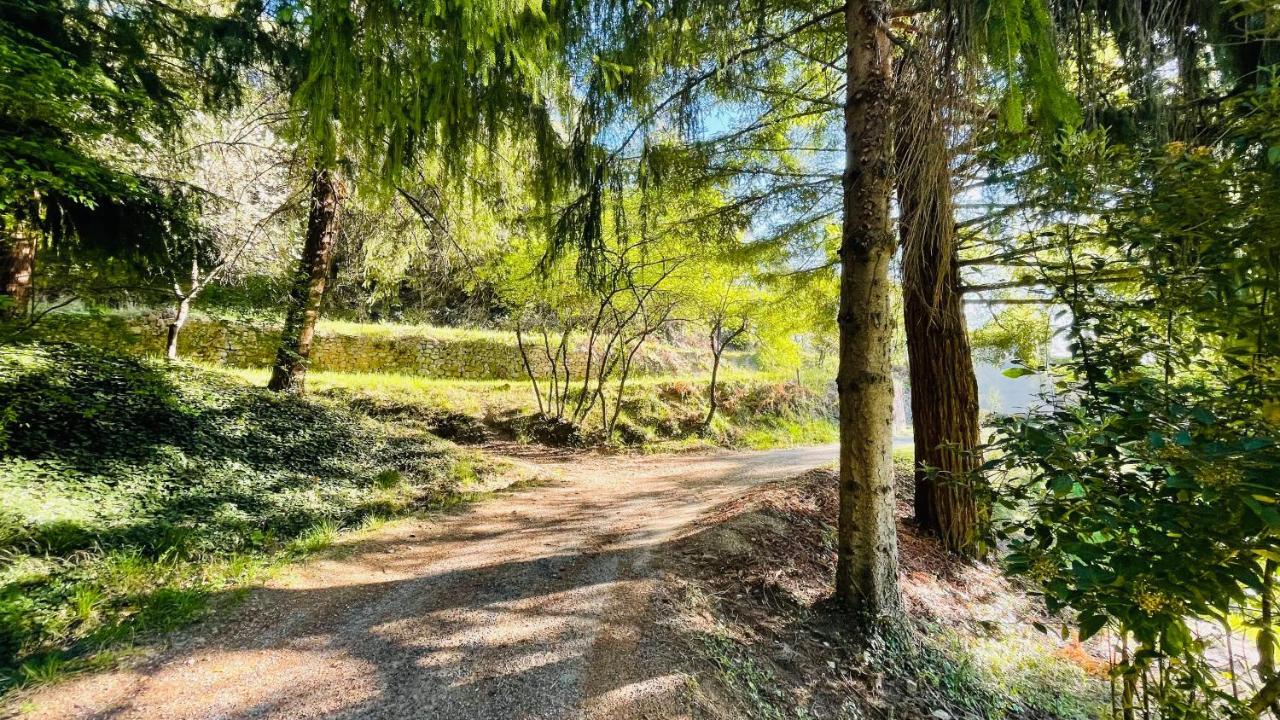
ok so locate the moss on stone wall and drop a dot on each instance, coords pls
(410, 350)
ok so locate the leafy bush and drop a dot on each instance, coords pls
(131, 490)
(1144, 496)
(1148, 509)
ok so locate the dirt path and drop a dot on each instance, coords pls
(530, 606)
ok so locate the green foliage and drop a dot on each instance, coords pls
(425, 252)
(767, 74)
(1149, 507)
(84, 85)
(382, 84)
(133, 492)
(1144, 493)
(1019, 332)
(1018, 40)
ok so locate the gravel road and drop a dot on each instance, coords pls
(531, 605)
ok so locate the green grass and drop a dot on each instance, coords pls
(660, 413)
(1002, 674)
(752, 413)
(469, 397)
(438, 332)
(783, 431)
(133, 495)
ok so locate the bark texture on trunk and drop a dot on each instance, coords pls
(17, 268)
(944, 389)
(944, 418)
(327, 195)
(867, 565)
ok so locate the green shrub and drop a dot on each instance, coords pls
(1147, 506)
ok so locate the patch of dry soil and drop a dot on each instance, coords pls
(533, 606)
(748, 588)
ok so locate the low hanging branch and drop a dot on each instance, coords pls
(1101, 278)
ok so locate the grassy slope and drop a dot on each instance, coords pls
(132, 492)
(757, 410)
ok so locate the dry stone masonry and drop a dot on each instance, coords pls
(414, 351)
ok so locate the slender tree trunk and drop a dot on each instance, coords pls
(867, 564)
(528, 369)
(1267, 633)
(175, 327)
(327, 195)
(17, 268)
(720, 341)
(184, 307)
(715, 371)
(1266, 641)
(944, 389)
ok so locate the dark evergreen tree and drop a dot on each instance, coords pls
(85, 86)
(375, 92)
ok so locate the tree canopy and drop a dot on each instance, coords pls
(862, 196)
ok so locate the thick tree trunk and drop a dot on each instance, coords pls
(944, 390)
(944, 417)
(17, 267)
(867, 565)
(327, 195)
(175, 327)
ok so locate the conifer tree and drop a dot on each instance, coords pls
(377, 84)
(945, 73)
(867, 564)
(84, 88)
(682, 57)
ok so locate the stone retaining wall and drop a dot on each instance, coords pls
(236, 344)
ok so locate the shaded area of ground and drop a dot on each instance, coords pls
(132, 489)
(746, 600)
(538, 606)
